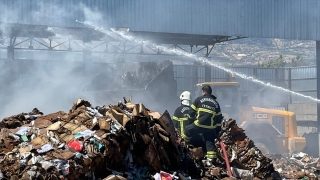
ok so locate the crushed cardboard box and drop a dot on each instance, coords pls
(122, 141)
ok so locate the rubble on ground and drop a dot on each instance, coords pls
(123, 141)
(245, 158)
(296, 166)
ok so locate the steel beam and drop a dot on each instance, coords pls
(38, 35)
(158, 52)
(318, 91)
(207, 71)
(208, 51)
(10, 52)
(199, 44)
(318, 80)
(208, 68)
(289, 85)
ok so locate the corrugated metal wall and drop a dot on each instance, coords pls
(274, 76)
(184, 75)
(246, 86)
(304, 81)
(187, 77)
(291, 19)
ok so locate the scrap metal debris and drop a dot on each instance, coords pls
(125, 141)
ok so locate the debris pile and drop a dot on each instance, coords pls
(246, 159)
(123, 141)
(296, 166)
(81, 144)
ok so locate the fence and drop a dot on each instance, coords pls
(300, 79)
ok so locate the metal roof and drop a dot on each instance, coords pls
(287, 19)
(90, 34)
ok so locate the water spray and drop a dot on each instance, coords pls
(126, 36)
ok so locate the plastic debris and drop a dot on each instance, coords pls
(127, 141)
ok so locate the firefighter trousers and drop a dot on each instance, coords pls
(198, 141)
(209, 135)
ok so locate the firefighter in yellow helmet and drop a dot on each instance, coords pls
(206, 111)
(181, 119)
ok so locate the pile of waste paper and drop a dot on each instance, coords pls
(296, 166)
(123, 141)
(126, 140)
(246, 160)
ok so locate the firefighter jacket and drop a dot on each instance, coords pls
(206, 111)
(181, 118)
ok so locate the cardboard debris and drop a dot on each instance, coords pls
(125, 141)
(245, 158)
(88, 143)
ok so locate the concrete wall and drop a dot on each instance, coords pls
(304, 112)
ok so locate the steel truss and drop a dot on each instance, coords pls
(88, 41)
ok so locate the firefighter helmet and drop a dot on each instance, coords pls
(185, 95)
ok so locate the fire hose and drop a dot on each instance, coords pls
(225, 157)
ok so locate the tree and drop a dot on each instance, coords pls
(298, 61)
(279, 62)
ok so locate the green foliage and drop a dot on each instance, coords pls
(298, 61)
(279, 62)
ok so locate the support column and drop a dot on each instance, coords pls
(86, 57)
(10, 48)
(318, 81)
(289, 85)
(194, 80)
(207, 72)
(208, 68)
(10, 52)
(318, 93)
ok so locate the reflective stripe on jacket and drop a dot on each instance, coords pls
(211, 154)
(206, 111)
(181, 118)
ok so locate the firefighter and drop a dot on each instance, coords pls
(206, 111)
(181, 114)
(181, 119)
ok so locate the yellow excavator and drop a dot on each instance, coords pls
(273, 131)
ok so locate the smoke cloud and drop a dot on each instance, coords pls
(54, 80)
